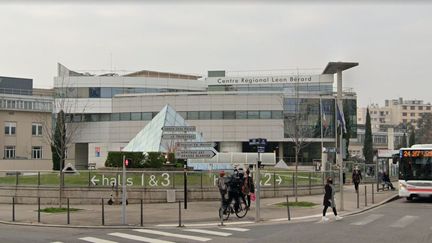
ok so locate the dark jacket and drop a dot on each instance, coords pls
(356, 176)
(327, 195)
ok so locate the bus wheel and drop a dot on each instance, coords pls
(409, 198)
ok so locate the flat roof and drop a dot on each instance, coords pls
(333, 67)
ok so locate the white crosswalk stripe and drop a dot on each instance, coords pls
(404, 221)
(209, 232)
(138, 238)
(96, 240)
(368, 219)
(162, 233)
(236, 229)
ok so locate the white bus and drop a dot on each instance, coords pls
(415, 171)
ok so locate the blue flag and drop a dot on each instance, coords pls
(341, 119)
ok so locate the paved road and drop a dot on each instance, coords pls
(398, 221)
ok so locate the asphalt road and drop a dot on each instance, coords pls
(397, 221)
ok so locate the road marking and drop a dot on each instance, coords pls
(368, 219)
(96, 240)
(155, 232)
(404, 221)
(209, 232)
(56, 242)
(139, 238)
(236, 229)
(206, 224)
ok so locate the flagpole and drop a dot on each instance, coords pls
(322, 142)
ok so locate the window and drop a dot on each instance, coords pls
(94, 92)
(204, 115)
(381, 113)
(9, 152)
(277, 115)
(412, 114)
(217, 115)
(241, 114)
(125, 116)
(36, 129)
(115, 116)
(412, 107)
(265, 114)
(428, 108)
(10, 128)
(192, 115)
(146, 116)
(404, 107)
(36, 152)
(136, 116)
(229, 115)
(420, 108)
(404, 114)
(253, 114)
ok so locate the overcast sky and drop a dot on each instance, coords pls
(391, 42)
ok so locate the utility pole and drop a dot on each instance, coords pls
(124, 191)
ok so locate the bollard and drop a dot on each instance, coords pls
(68, 212)
(38, 178)
(180, 224)
(16, 180)
(358, 199)
(365, 196)
(13, 209)
(373, 199)
(142, 219)
(103, 212)
(310, 183)
(39, 218)
(288, 209)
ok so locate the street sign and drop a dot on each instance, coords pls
(179, 129)
(261, 149)
(178, 136)
(196, 144)
(194, 154)
(257, 141)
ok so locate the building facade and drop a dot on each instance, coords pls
(25, 114)
(227, 108)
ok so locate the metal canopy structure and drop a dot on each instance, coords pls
(334, 67)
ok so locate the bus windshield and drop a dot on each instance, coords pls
(415, 168)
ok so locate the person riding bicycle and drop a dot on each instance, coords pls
(234, 190)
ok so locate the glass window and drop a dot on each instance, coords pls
(10, 128)
(241, 114)
(135, 116)
(265, 114)
(95, 92)
(404, 107)
(125, 116)
(412, 114)
(229, 115)
(192, 115)
(36, 129)
(9, 152)
(204, 115)
(94, 117)
(412, 107)
(277, 114)
(428, 108)
(106, 93)
(182, 114)
(115, 116)
(76, 118)
(117, 91)
(146, 116)
(404, 113)
(83, 92)
(105, 117)
(36, 152)
(253, 114)
(216, 115)
(420, 108)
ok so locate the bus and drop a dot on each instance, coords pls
(415, 171)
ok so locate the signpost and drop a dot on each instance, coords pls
(124, 191)
(179, 129)
(196, 144)
(260, 143)
(184, 136)
(194, 154)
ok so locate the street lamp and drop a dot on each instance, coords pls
(332, 68)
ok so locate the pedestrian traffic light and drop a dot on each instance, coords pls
(126, 162)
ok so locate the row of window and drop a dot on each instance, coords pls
(187, 115)
(420, 108)
(10, 152)
(108, 92)
(15, 104)
(10, 129)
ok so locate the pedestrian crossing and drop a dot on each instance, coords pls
(165, 236)
(383, 220)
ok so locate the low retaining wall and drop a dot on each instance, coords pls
(91, 195)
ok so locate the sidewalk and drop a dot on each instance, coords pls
(167, 214)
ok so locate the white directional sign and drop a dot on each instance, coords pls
(194, 154)
(279, 179)
(179, 129)
(196, 144)
(94, 180)
(178, 136)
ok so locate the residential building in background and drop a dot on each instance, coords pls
(26, 116)
(228, 108)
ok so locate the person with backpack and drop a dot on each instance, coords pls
(222, 185)
(248, 188)
(234, 190)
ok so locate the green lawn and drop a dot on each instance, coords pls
(58, 210)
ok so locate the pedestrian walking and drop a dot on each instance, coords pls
(222, 185)
(248, 187)
(356, 178)
(329, 200)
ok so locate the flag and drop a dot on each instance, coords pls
(324, 121)
(341, 119)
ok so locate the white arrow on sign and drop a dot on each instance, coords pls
(94, 180)
(178, 136)
(279, 179)
(196, 144)
(194, 154)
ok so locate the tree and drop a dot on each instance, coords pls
(412, 136)
(403, 143)
(58, 142)
(368, 142)
(424, 132)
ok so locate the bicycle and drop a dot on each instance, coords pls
(241, 212)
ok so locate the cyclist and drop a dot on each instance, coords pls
(234, 189)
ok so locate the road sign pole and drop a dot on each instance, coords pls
(258, 187)
(185, 185)
(124, 191)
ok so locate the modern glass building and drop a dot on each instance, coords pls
(227, 108)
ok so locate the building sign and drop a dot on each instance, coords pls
(247, 80)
